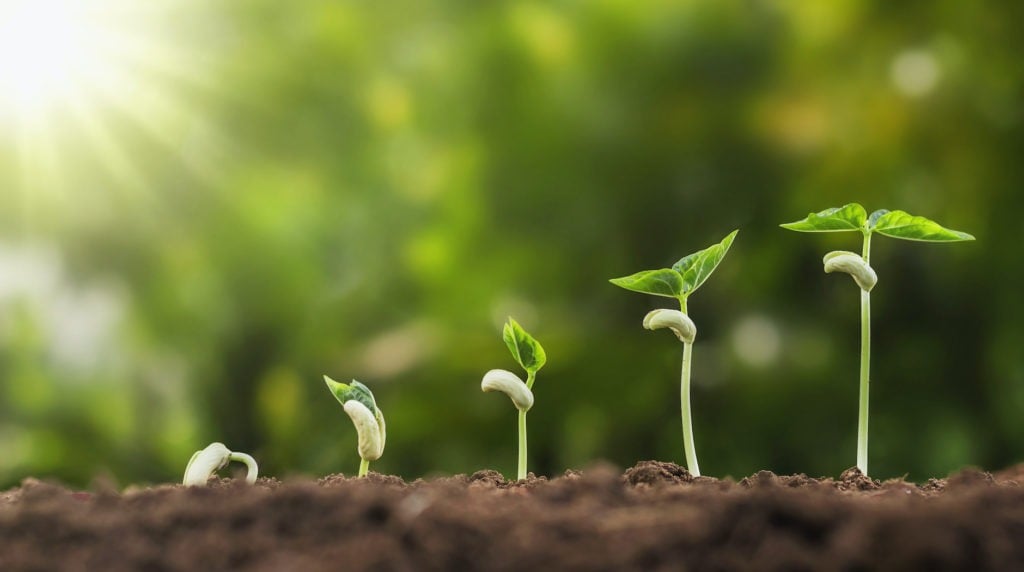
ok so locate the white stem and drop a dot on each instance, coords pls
(252, 471)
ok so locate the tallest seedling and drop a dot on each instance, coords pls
(897, 224)
(679, 282)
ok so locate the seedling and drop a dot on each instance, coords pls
(204, 464)
(896, 224)
(531, 357)
(679, 282)
(358, 401)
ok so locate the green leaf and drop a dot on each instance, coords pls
(840, 219)
(899, 224)
(697, 267)
(345, 392)
(525, 349)
(662, 282)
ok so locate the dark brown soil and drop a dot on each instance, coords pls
(656, 516)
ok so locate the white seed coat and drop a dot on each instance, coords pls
(511, 385)
(371, 434)
(678, 322)
(853, 264)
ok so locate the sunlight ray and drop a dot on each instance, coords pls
(96, 79)
(106, 149)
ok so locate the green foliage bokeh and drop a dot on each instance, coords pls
(369, 190)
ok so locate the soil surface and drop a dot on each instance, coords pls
(655, 516)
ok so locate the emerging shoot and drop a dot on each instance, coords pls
(359, 404)
(683, 279)
(205, 464)
(896, 224)
(531, 357)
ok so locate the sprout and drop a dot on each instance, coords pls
(530, 355)
(896, 224)
(679, 282)
(204, 464)
(359, 404)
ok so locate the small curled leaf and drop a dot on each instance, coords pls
(344, 392)
(371, 439)
(853, 264)
(680, 324)
(511, 385)
(525, 349)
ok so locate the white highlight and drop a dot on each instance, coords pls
(756, 341)
(81, 323)
(915, 73)
(46, 48)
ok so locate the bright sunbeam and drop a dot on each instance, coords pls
(82, 80)
(46, 48)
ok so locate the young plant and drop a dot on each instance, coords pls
(679, 281)
(896, 224)
(204, 464)
(531, 357)
(358, 401)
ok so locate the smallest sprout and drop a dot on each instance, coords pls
(204, 464)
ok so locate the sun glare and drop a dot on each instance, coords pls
(80, 78)
(46, 49)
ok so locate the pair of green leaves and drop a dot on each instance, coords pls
(897, 224)
(525, 349)
(683, 278)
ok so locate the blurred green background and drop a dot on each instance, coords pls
(205, 206)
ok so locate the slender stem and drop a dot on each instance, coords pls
(521, 473)
(250, 466)
(531, 376)
(364, 467)
(684, 404)
(865, 368)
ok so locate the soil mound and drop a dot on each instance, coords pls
(655, 516)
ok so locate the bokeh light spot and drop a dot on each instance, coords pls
(756, 341)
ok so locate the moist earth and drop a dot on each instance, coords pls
(655, 516)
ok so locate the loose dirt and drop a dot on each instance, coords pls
(655, 516)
